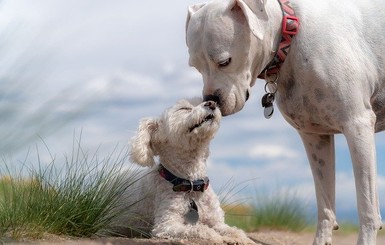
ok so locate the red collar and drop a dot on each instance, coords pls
(290, 25)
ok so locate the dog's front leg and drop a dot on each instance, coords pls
(321, 155)
(170, 223)
(361, 141)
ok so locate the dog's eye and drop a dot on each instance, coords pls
(185, 109)
(224, 63)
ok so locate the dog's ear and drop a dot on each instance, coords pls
(256, 16)
(191, 10)
(141, 151)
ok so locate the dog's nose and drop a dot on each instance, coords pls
(211, 104)
(211, 97)
(247, 95)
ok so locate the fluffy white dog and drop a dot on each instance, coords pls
(175, 199)
(332, 81)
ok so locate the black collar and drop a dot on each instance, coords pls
(183, 184)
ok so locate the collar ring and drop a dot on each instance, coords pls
(192, 187)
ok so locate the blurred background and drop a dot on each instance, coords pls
(94, 68)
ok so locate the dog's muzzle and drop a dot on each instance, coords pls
(211, 104)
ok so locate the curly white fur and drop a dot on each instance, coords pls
(180, 138)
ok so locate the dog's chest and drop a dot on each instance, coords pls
(309, 109)
(320, 107)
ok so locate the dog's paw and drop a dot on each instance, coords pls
(238, 241)
(232, 235)
(200, 232)
(162, 235)
(324, 233)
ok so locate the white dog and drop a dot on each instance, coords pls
(175, 198)
(332, 81)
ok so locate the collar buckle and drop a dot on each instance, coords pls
(192, 187)
(290, 25)
(204, 185)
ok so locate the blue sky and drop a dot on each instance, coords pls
(98, 67)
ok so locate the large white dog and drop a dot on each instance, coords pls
(332, 81)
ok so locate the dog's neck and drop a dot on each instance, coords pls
(270, 47)
(189, 164)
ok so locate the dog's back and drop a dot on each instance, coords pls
(356, 27)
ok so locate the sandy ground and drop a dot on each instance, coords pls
(261, 238)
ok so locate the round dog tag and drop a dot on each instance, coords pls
(268, 112)
(192, 215)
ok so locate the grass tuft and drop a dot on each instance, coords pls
(282, 211)
(76, 200)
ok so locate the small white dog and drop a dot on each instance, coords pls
(177, 200)
(332, 81)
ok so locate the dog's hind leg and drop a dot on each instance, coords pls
(361, 140)
(321, 155)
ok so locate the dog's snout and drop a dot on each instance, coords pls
(211, 97)
(211, 104)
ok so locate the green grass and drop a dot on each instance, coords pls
(281, 211)
(345, 228)
(75, 200)
(77, 197)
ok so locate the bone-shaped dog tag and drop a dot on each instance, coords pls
(192, 215)
(267, 103)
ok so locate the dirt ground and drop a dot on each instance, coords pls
(261, 238)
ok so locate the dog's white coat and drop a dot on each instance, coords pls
(184, 153)
(333, 81)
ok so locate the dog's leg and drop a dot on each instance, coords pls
(361, 140)
(169, 221)
(173, 228)
(215, 217)
(320, 152)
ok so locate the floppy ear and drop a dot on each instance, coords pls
(141, 151)
(255, 13)
(191, 10)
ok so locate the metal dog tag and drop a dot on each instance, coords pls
(267, 103)
(268, 111)
(192, 215)
(267, 100)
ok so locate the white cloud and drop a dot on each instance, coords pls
(270, 151)
(129, 85)
(346, 192)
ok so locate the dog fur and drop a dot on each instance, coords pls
(180, 139)
(332, 81)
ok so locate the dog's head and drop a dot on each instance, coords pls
(228, 44)
(186, 126)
